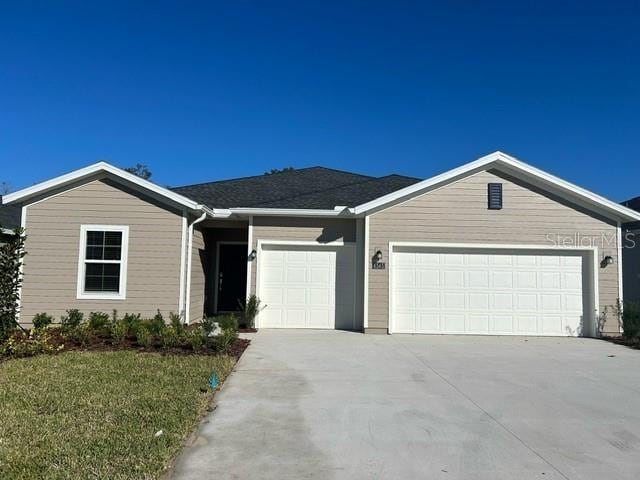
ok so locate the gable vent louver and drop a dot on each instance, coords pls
(495, 196)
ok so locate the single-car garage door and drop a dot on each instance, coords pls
(307, 286)
(495, 292)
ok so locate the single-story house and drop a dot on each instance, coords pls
(495, 246)
(631, 255)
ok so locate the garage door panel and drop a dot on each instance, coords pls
(272, 318)
(306, 286)
(272, 296)
(488, 292)
(552, 324)
(454, 322)
(295, 296)
(527, 280)
(478, 324)
(428, 322)
(527, 324)
(295, 318)
(320, 297)
(501, 324)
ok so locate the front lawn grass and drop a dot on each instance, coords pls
(95, 414)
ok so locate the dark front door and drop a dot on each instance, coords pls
(232, 276)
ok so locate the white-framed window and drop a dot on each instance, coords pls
(102, 264)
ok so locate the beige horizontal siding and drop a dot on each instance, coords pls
(53, 242)
(322, 230)
(458, 213)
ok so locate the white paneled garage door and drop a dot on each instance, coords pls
(495, 292)
(307, 286)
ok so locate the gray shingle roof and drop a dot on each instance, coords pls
(314, 187)
(633, 203)
(10, 216)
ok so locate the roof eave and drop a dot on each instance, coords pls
(293, 212)
(62, 181)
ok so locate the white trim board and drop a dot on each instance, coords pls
(249, 261)
(217, 270)
(183, 263)
(591, 251)
(518, 169)
(92, 170)
(81, 294)
(367, 266)
(23, 226)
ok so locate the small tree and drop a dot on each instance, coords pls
(140, 170)
(11, 254)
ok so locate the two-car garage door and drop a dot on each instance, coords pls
(498, 292)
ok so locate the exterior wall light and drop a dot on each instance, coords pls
(378, 255)
(608, 260)
(252, 255)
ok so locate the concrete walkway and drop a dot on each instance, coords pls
(340, 405)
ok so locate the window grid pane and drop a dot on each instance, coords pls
(106, 246)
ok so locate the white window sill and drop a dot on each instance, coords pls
(98, 296)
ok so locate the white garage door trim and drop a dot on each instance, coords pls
(591, 251)
(302, 243)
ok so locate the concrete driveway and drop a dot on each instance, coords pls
(340, 405)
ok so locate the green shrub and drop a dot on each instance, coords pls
(176, 322)
(132, 323)
(99, 321)
(225, 340)
(42, 320)
(228, 322)
(630, 320)
(169, 337)
(118, 332)
(156, 324)
(143, 336)
(208, 325)
(23, 345)
(80, 334)
(11, 254)
(250, 310)
(196, 339)
(71, 320)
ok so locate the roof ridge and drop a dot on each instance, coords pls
(401, 176)
(265, 174)
(337, 187)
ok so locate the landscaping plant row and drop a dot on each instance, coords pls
(101, 331)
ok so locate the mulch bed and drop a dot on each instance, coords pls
(103, 343)
(247, 330)
(627, 342)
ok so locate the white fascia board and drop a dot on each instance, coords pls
(96, 168)
(293, 212)
(517, 168)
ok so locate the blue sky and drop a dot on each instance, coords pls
(204, 91)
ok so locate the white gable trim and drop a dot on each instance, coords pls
(92, 170)
(518, 169)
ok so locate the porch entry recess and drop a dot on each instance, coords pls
(231, 276)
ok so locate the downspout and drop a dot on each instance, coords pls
(187, 300)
